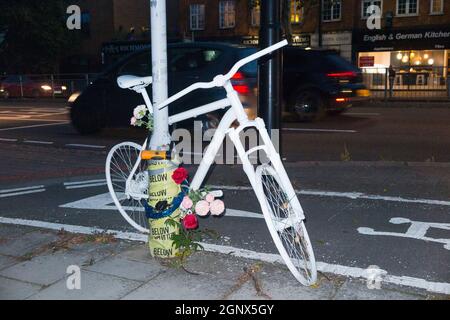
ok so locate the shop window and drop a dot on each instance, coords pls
(367, 3)
(197, 16)
(227, 14)
(407, 7)
(256, 15)
(331, 10)
(296, 11)
(437, 7)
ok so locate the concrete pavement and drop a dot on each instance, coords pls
(34, 265)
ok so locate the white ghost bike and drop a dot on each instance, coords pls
(127, 178)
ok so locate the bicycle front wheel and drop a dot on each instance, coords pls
(119, 164)
(284, 217)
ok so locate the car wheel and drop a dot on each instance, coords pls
(308, 105)
(85, 121)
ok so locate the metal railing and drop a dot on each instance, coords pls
(430, 83)
(43, 85)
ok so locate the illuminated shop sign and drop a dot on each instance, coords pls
(379, 40)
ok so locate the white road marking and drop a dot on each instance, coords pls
(21, 189)
(362, 114)
(83, 182)
(80, 186)
(8, 140)
(85, 146)
(350, 195)
(35, 126)
(417, 230)
(354, 272)
(14, 194)
(104, 202)
(38, 142)
(321, 193)
(30, 119)
(319, 130)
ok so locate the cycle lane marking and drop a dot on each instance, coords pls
(417, 230)
(353, 272)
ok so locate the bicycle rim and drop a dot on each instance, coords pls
(286, 227)
(119, 164)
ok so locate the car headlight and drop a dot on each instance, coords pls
(46, 87)
(73, 97)
(64, 88)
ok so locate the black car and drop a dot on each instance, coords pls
(314, 82)
(104, 104)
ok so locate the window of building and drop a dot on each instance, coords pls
(331, 10)
(227, 14)
(197, 16)
(437, 6)
(256, 15)
(296, 11)
(407, 7)
(367, 3)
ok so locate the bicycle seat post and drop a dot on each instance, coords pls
(148, 103)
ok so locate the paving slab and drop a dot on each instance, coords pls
(132, 270)
(354, 289)
(6, 262)
(44, 269)
(94, 286)
(12, 231)
(16, 290)
(180, 285)
(19, 246)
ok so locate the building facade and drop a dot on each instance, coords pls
(335, 24)
(106, 21)
(411, 36)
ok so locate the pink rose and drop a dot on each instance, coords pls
(187, 203)
(209, 197)
(133, 121)
(217, 207)
(202, 208)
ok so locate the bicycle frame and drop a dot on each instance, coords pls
(236, 112)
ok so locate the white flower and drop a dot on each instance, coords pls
(140, 111)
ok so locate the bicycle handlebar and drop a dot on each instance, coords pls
(220, 80)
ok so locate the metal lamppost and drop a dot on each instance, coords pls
(160, 139)
(270, 68)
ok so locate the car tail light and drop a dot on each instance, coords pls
(239, 84)
(345, 74)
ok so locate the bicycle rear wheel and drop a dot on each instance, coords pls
(119, 165)
(284, 217)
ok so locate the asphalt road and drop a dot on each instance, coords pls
(389, 215)
(362, 134)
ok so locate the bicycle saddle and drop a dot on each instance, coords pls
(133, 82)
